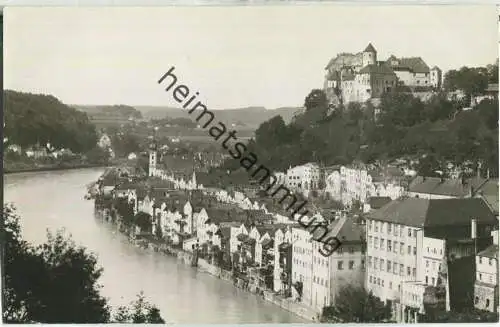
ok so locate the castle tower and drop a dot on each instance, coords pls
(369, 55)
(153, 157)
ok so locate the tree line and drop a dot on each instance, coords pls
(32, 119)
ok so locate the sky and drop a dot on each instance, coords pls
(234, 56)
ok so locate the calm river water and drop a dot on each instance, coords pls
(54, 200)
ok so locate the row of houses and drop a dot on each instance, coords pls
(413, 252)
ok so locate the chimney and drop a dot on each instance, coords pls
(473, 228)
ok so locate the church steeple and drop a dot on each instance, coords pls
(153, 154)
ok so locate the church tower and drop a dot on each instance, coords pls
(369, 55)
(153, 157)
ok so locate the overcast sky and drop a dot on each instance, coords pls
(233, 56)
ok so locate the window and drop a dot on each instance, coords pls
(433, 280)
(382, 263)
(351, 249)
(476, 300)
(370, 241)
(401, 231)
(480, 260)
(382, 281)
(351, 265)
(487, 303)
(340, 265)
(375, 263)
(414, 272)
(395, 269)
(414, 250)
(378, 281)
(427, 279)
(408, 271)
(433, 265)
(370, 261)
(426, 263)
(376, 226)
(491, 262)
(401, 248)
(396, 230)
(389, 268)
(362, 264)
(382, 244)
(370, 278)
(409, 232)
(369, 225)
(401, 269)
(409, 249)
(389, 245)
(389, 228)
(480, 276)
(390, 285)
(340, 250)
(376, 243)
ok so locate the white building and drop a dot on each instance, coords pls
(409, 242)
(304, 178)
(358, 183)
(486, 285)
(104, 142)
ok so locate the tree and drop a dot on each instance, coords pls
(139, 312)
(56, 282)
(316, 98)
(353, 304)
(472, 81)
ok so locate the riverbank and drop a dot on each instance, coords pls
(202, 265)
(41, 168)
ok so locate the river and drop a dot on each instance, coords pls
(54, 200)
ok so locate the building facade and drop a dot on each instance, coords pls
(360, 77)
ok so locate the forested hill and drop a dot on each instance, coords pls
(405, 126)
(249, 116)
(38, 118)
(117, 111)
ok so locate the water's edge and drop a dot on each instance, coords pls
(54, 168)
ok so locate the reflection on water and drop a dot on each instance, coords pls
(54, 200)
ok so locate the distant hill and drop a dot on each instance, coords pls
(250, 116)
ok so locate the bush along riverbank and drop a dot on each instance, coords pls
(120, 212)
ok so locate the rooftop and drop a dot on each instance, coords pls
(448, 187)
(490, 252)
(418, 212)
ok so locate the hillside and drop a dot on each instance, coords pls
(39, 118)
(436, 130)
(104, 116)
(251, 116)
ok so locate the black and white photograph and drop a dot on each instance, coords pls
(250, 162)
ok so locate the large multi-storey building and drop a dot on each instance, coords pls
(304, 178)
(417, 247)
(358, 183)
(486, 285)
(322, 276)
(360, 77)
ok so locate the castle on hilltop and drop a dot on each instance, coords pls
(360, 77)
